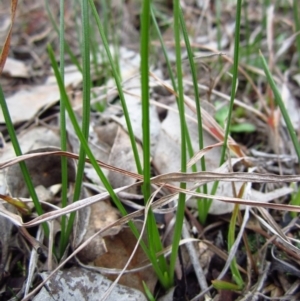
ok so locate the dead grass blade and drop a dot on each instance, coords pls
(206, 177)
(5, 49)
(236, 101)
(240, 68)
(235, 246)
(33, 262)
(200, 178)
(194, 259)
(209, 123)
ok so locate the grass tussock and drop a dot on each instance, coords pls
(184, 116)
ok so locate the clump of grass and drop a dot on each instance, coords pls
(154, 249)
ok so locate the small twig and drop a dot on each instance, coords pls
(285, 298)
(33, 261)
(253, 294)
(194, 259)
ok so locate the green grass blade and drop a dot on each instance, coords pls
(119, 87)
(172, 77)
(231, 238)
(295, 199)
(144, 46)
(18, 152)
(281, 105)
(233, 89)
(151, 225)
(95, 165)
(202, 204)
(164, 50)
(155, 244)
(181, 199)
(72, 56)
(148, 293)
(224, 285)
(63, 133)
(86, 107)
(234, 77)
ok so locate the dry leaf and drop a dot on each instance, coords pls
(291, 105)
(72, 78)
(33, 138)
(100, 215)
(100, 150)
(31, 101)
(15, 68)
(167, 156)
(133, 102)
(121, 155)
(119, 248)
